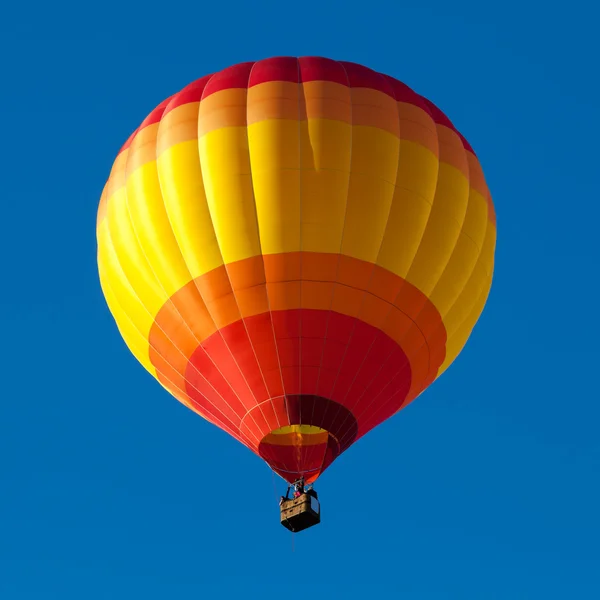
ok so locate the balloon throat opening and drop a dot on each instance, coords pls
(299, 452)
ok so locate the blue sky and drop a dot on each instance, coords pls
(485, 488)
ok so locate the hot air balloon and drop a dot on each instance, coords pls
(296, 248)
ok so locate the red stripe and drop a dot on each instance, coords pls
(441, 119)
(315, 68)
(191, 93)
(154, 117)
(363, 77)
(233, 77)
(282, 68)
(303, 69)
(402, 93)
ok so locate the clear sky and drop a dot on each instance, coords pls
(486, 487)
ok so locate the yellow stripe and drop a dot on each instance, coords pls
(303, 429)
(374, 170)
(274, 147)
(127, 297)
(126, 252)
(134, 340)
(178, 125)
(443, 229)
(457, 341)
(186, 205)
(472, 289)
(225, 164)
(464, 313)
(153, 229)
(465, 255)
(326, 156)
(409, 214)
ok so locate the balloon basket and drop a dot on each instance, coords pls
(300, 513)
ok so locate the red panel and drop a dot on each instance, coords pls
(363, 77)
(221, 402)
(154, 117)
(403, 93)
(260, 333)
(315, 68)
(309, 379)
(440, 118)
(241, 348)
(281, 68)
(286, 323)
(311, 351)
(190, 93)
(232, 77)
(313, 326)
(204, 381)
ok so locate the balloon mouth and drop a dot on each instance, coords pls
(302, 449)
(295, 451)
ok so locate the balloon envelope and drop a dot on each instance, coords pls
(296, 249)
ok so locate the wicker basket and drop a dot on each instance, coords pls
(300, 513)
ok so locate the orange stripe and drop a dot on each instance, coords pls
(358, 289)
(476, 178)
(275, 100)
(327, 100)
(452, 151)
(116, 179)
(417, 126)
(240, 289)
(285, 100)
(178, 125)
(143, 148)
(371, 108)
(222, 109)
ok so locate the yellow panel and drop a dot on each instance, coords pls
(122, 290)
(306, 429)
(374, 169)
(153, 229)
(456, 274)
(132, 261)
(326, 156)
(185, 202)
(457, 341)
(442, 231)
(476, 219)
(225, 161)
(465, 256)
(135, 341)
(275, 161)
(413, 198)
(455, 316)
(489, 248)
